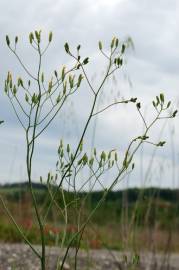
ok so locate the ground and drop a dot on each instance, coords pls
(20, 257)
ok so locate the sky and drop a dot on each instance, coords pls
(150, 68)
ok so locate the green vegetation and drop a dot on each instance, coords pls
(158, 210)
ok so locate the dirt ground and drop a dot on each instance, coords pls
(20, 257)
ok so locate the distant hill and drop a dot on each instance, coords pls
(132, 194)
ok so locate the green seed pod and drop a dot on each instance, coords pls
(64, 88)
(100, 45)
(161, 143)
(133, 100)
(33, 99)
(85, 159)
(103, 156)
(85, 61)
(153, 102)
(68, 148)
(117, 42)
(61, 153)
(80, 161)
(162, 97)
(91, 161)
(115, 156)
(31, 37)
(14, 90)
(123, 48)
(16, 39)
(78, 47)
(168, 105)
(7, 40)
(112, 42)
(8, 75)
(138, 105)
(63, 73)
(5, 87)
(50, 86)
(58, 99)
(81, 146)
(20, 82)
(174, 113)
(48, 177)
(37, 35)
(95, 151)
(26, 98)
(78, 66)
(80, 78)
(42, 77)
(71, 81)
(158, 101)
(50, 37)
(56, 74)
(61, 143)
(66, 46)
(10, 84)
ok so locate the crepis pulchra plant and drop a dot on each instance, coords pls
(37, 101)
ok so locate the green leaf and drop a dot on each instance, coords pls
(135, 259)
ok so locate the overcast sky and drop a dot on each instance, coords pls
(152, 67)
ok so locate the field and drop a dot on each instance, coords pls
(133, 219)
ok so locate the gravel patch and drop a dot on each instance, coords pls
(20, 257)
